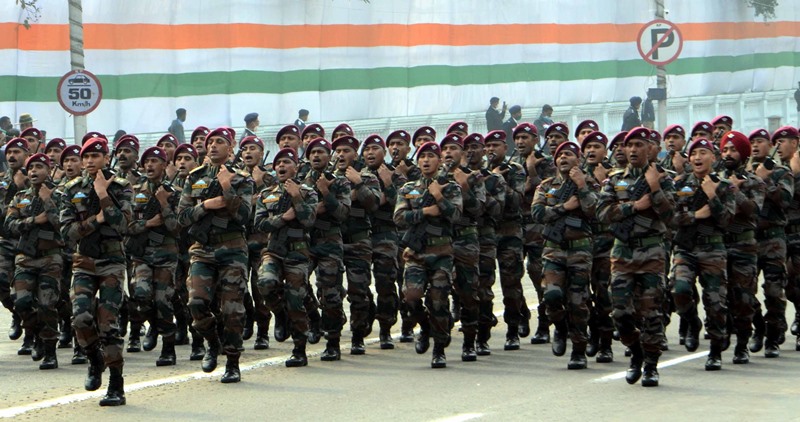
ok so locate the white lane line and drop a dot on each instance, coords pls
(665, 364)
(460, 417)
(10, 412)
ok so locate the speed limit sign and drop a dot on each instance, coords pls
(79, 92)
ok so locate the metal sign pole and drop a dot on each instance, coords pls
(661, 78)
(76, 58)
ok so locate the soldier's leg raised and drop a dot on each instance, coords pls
(554, 297)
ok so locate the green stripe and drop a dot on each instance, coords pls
(42, 89)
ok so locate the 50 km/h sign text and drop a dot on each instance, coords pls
(79, 92)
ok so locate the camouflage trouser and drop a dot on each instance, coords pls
(428, 275)
(487, 264)
(742, 279)
(772, 261)
(709, 264)
(7, 256)
(181, 296)
(567, 274)
(283, 283)
(37, 282)
(326, 258)
(152, 292)
(466, 253)
(357, 262)
(260, 312)
(218, 273)
(509, 259)
(793, 269)
(403, 307)
(601, 306)
(64, 304)
(97, 320)
(384, 271)
(533, 250)
(637, 278)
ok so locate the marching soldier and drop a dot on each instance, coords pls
(216, 203)
(583, 129)
(676, 159)
(428, 208)
(126, 152)
(618, 156)
(96, 212)
(556, 135)
(53, 150)
(198, 141)
(564, 203)
(32, 217)
(34, 137)
(342, 130)
(638, 255)
(169, 143)
(286, 210)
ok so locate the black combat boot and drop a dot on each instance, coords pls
(65, 334)
(262, 338)
(542, 334)
(407, 330)
(714, 361)
(423, 339)
(15, 330)
(512, 338)
(198, 350)
(210, 359)
(771, 344)
(482, 346)
(693, 333)
(332, 351)
(314, 331)
(525, 322)
(560, 338)
(78, 354)
(683, 328)
(357, 344)
(637, 358)
(740, 354)
(468, 352)
(594, 344)
(115, 396)
(150, 339)
(37, 351)
(27, 344)
(50, 360)
(604, 353)
(385, 337)
(181, 329)
(757, 341)
(167, 357)
(577, 359)
(247, 332)
(795, 329)
(134, 341)
(281, 332)
(438, 359)
(232, 373)
(94, 376)
(298, 357)
(650, 377)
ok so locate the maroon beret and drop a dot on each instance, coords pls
(95, 145)
(495, 135)
(676, 129)
(344, 127)
(184, 149)
(128, 141)
(619, 139)
(70, 151)
(424, 130)
(199, 131)
(655, 137)
(640, 132)
(399, 134)
(313, 128)
(474, 138)
(38, 158)
(226, 133)
(154, 152)
(289, 153)
(460, 126)
(168, 138)
(255, 140)
(586, 124)
(526, 128)
(699, 143)
(31, 131)
(375, 139)
(568, 146)
(347, 141)
(20, 143)
(704, 126)
(287, 130)
(318, 143)
(758, 133)
(557, 127)
(722, 120)
(785, 132)
(452, 139)
(595, 136)
(56, 143)
(429, 147)
(93, 135)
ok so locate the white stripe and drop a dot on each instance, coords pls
(462, 417)
(661, 365)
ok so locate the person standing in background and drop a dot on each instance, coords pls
(176, 128)
(302, 118)
(494, 118)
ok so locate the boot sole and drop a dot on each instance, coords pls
(296, 365)
(580, 366)
(165, 363)
(114, 403)
(469, 358)
(650, 384)
(387, 346)
(438, 365)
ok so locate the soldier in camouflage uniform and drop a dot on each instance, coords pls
(126, 154)
(618, 157)
(538, 167)
(600, 323)
(53, 150)
(38, 263)
(771, 240)
(218, 268)
(676, 159)
(721, 124)
(565, 203)
(198, 141)
(637, 257)
(286, 210)
(169, 143)
(98, 266)
(583, 130)
(364, 200)
(13, 181)
(429, 208)
(343, 129)
(495, 187)
(399, 145)
(311, 132)
(705, 205)
(384, 237)
(748, 190)
(509, 235)
(153, 249)
(327, 250)
(556, 135)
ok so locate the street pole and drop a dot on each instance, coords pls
(76, 58)
(661, 77)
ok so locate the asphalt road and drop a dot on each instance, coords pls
(528, 384)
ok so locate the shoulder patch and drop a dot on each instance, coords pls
(197, 169)
(72, 183)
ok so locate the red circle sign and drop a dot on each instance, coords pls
(79, 92)
(659, 42)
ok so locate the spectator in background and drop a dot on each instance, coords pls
(545, 120)
(176, 128)
(251, 124)
(509, 125)
(494, 118)
(648, 114)
(5, 124)
(631, 118)
(118, 135)
(25, 121)
(302, 118)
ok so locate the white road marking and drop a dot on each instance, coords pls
(460, 417)
(665, 364)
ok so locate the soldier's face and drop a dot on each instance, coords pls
(582, 134)
(498, 149)
(702, 159)
(252, 155)
(638, 152)
(786, 148)
(289, 141)
(37, 173)
(16, 158)
(701, 134)
(720, 129)
(421, 139)
(620, 156)
(53, 154)
(452, 153)
(674, 142)
(525, 143)
(460, 133)
(127, 157)
(319, 158)
(33, 143)
(339, 134)
(199, 144)
(595, 152)
(185, 163)
(730, 156)
(72, 166)
(169, 148)
(474, 153)
(94, 161)
(308, 137)
(373, 155)
(346, 156)
(655, 148)
(566, 161)
(399, 149)
(218, 149)
(428, 163)
(761, 147)
(554, 140)
(154, 168)
(285, 169)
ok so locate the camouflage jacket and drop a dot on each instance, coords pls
(164, 235)
(749, 200)
(547, 208)
(284, 235)
(473, 200)
(515, 193)
(336, 203)
(364, 201)
(723, 206)
(777, 199)
(615, 203)
(229, 219)
(383, 215)
(19, 219)
(495, 186)
(8, 189)
(410, 199)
